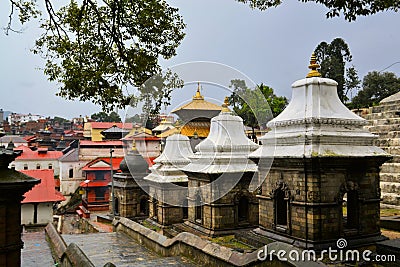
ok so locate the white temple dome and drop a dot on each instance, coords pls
(176, 154)
(226, 148)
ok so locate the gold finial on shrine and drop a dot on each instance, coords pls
(225, 105)
(134, 145)
(198, 95)
(178, 127)
(313, 67)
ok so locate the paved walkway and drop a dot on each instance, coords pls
(36, 251)
(120, 250)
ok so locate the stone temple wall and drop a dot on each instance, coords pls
(384, 120)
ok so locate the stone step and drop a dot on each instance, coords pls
(394, 134)
(382, 129)
(393, 150)
(386, 121)
(390, 168)
(385, 107)
(390, 187)
(387, 142)
(389, 177)
(391, 199)
(382, 115)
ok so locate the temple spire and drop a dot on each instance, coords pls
(225, 105)
(313, 67)
(198, 95)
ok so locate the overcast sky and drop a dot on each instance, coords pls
(272, 47)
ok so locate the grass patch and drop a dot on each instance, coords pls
(390, 212)
(230, 242)
(384, 212)
(151, 226)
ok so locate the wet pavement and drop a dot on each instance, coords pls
(121, 250)
(36, 251)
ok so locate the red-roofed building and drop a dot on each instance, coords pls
(39, 159)
(149, 146)
(92, 130)
(98, 176)
(37, 207)
(89, 150)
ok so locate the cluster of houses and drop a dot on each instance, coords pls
(80, 160)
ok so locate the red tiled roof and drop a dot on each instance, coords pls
(150, 160)
(22, 148)
(94, 184)
(101, 143)
(141, 136)
(106, 125)
(115, 162)
(29, 138)
(28, 154)
(45, 191)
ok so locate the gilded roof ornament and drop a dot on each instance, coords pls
(225, 105)
(134, 145)
(178, 127)
(313, 67)
(198, 95)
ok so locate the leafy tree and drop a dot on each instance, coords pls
(251, 105)
(104, 117)
(332, 59)
(375, 87)
(97, 49)
(351, 9)
(134, 119)
(59, 120)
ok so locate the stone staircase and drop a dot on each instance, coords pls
(384, 121)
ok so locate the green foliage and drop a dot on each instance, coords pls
(100, 50)
(351, 9)
(134, 119)
(332, 59)
(375, 87)
(59, 120)
(104, 117)
(255, 106)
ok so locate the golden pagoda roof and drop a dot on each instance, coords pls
(168, 132)
(198, 103)
(201, 128)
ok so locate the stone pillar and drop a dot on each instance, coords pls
(13, 185)
(323, 158)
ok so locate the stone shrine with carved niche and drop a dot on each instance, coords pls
(130, 197)
(322, 158)
(219, 175)
(168, 184)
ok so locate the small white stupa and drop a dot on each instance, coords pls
(168, 184)
(219, 177)
(176, 155)
(226, 148)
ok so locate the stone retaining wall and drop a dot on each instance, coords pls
(199, 250)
